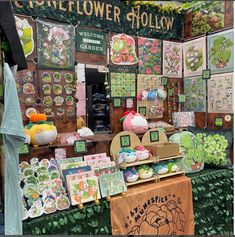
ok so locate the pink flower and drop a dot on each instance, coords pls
(148, 44)
(141, 41)
(141, 63)
(148, 70)
(153, 50)
(155, 43)
(146, 57)
(156, 68)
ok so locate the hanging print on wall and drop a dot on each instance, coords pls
(220, 47)
(220, 93)
(172, 59)
(26, 30)
(55, 45)
(194, 57)
(149, 51)
(195, 91)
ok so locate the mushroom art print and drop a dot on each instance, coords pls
(220, 54)
(172, 59)
(149, 51)
(55, 45)
(194, 57)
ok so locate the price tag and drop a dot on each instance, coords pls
(206, 74)
(125, 141)
(24, 149)
(117, 102)
(182, 98)
(170, 91)
(154, 136)
(219, 122)
(164, 81)
(80, 146)
(142, 110)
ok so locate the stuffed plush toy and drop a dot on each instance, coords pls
(134, 122)
(41, 133)
(81, 129)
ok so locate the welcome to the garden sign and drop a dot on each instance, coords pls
(112, 15)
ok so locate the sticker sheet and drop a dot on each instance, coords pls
(26, 30)
(123, 85)
(172, 59)
(220, 52)
(194, 57)
(55, 45)
(220, 93)
(84, 190)
(57, 93)
(149, 51)
(195, 92)
(112, 184)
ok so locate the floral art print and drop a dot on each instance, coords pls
(172, 59)
(220, 46)
(194, 57)
(149, 56)
(55, 45)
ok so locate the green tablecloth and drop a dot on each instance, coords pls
(213, 209)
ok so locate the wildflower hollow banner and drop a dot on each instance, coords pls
(111, 15)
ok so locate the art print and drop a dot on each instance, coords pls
(172, 59)
(55, 43)
(84, 190)
(112, 184)
(72, 165)
(25, 27)
(123, 50)
(149, 51)
(95, 163)
(107, 170)
(95, 156)
(79, 176)
(220, 93)
(220, 52)
(195, 92)
(194, 57)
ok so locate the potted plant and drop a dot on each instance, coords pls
(220, 52)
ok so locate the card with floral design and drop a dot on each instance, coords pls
(172, 59)
(149, 51)
(55, 45)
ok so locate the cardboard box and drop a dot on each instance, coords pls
(164, 150)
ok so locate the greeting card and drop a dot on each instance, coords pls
(95, 156)
(72, 177)
(77, 170)
(72, 165)
(112, 184)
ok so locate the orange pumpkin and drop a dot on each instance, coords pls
(37, 117)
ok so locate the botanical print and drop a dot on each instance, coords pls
(55, 45)
(195, 91)
(112, 184)
(194, 57)
(220, 52)
(26, 33)
(220, 93)
(149, 51)
(123, 50)
(208, 20)
(84, 190)
(172, 59)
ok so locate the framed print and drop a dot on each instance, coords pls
(206, 74)
(154, 136)
(172, 59)
(125, 141)
(194, 52)
(80, 146)
(220, 52)
(220, 93)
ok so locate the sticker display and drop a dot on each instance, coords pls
(149, 52)
(195, 92)
(220, 93)
(25, 27)
(172, 59)
(123, 85)
(194, 57)
(112, 184)
(220, 52)
(55, 44)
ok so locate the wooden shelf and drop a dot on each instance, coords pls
(139, 181)
(161, 176)
(171, 157)
(151, 160)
